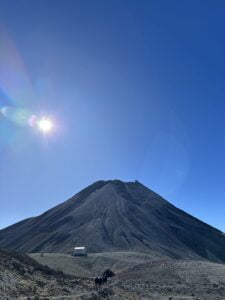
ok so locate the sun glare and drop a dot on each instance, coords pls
(45, 125)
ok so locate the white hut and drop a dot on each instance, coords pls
(80, 251)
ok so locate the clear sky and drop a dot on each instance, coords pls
(136, 90)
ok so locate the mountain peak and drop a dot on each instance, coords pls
(121, 183)
(117, 181)
(113, 215)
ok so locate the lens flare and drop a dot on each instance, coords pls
(45, 125)
(32, 120)
(16, 115)
(24, 117)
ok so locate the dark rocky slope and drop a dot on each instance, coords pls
(116, 216)
(21, 276)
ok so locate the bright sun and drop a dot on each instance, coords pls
(45, 125)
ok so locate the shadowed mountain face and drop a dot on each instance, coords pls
(117, 216)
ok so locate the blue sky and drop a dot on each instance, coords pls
(136, 91)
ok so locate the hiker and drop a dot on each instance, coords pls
(98, 281)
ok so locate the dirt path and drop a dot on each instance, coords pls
(70, 297)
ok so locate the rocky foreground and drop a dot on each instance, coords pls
(21, 276)
(174, 279)
(138, 276)
(145, 275)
